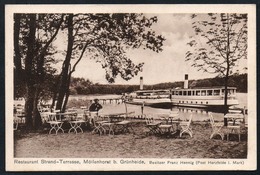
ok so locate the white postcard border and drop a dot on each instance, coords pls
(248, 164)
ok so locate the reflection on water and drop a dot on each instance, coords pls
(198, 114)
(184, 113)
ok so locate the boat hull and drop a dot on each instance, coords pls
(212, 104)
(159, 103)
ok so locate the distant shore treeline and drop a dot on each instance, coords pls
(81, 86)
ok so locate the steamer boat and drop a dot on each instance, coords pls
(154, 98)
(204, 97)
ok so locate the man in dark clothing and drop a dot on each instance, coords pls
(95, 106)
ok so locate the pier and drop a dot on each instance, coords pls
(111, 101)
(116, 100)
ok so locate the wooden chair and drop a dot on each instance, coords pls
(235, 125)
(234, 129)
(124, 126)
(15, 124)
(55, 124)
(97, 123)
(185, 127)
(20, 114)
(152, 125)
(165, 129)
(107, 125)
(216, 127)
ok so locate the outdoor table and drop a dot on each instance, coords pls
(170, 121)
(166, 129)
(67, 116)
(116, 121)
(75, 126)
(154, 127)
(234, 116)
(59, 118)
(117, 117)
(98, 127)
(71, 117)
(124, 126)
(234, 129)
(107, 126)
(177, 123)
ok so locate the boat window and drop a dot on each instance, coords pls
(196, 102)
(184, 92)
(201, 102)
(187, 102)
(189, 93)
(231, 91)
(216, 92)
(203, 92)
(209, 92)
(180, 92)
(198, 93)
(207, 102)
(191, 102)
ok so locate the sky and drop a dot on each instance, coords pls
(166, 66)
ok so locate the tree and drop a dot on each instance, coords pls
(105, 38)
(221, 40)
(33, 36)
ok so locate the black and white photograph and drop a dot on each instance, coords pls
(130, 87)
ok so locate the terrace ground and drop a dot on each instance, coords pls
(128, 145)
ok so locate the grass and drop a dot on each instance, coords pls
(139, 145)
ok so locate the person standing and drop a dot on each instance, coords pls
(95, 107)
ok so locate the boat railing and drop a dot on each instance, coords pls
(153, 97)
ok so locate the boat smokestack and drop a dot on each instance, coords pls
(186, 81)
(141, 83)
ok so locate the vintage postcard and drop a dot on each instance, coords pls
(130, 87)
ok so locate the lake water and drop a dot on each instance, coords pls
(198, 114)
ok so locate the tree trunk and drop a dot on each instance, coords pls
(17, 56)
(66, 64)
(18, 72)
(36, 115)
(30, 89)
(67, 93)
(55, 92)
(65, 101)
(226, 99)
(28, 108)
(227, 73)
